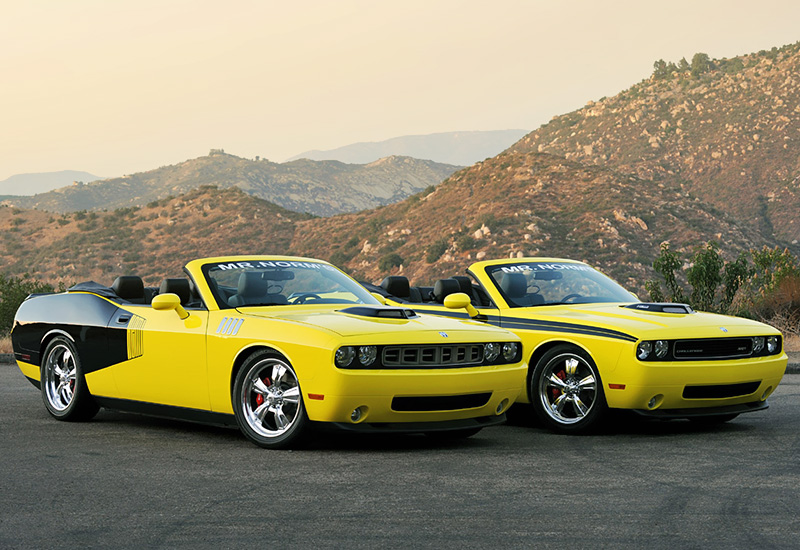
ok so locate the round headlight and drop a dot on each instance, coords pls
(758, 344)
(772, 344)
(643, 350)
(661, 348)
(491, 352)
(345, 356)
(510, 351)
(367, 355)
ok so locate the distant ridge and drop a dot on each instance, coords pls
(31, 184)
(322, 188)
(458, 148)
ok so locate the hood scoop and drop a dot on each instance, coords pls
(661, 307)
(380, 312)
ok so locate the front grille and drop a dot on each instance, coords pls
(720, 391)
(713, 348)
(440, 402)
(464, 355)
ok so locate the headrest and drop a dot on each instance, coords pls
(515, 285)
(396, 285)
(464, 283)
(128, 287)
(251, 284)
(444, 288)
(177, 286)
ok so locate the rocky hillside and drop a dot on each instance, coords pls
(154, 241)
(515, 204)
(727, 131)
(525, 204)
(322, 188)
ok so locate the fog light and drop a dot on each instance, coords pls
(502, 406)
(766, 393)
(355, 416)
(491, 351)
(655, 401)
(345, 356)
(510, 351)
(643, 350)
(772, 344)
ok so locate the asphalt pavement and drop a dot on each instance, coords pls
(128, 481)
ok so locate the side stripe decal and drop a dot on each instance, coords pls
(540, 325)
(229, 326)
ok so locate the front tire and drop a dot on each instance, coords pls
(566, 391)
(268, 403)
(64, 391)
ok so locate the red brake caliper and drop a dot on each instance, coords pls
(259, 397)
(556, 392)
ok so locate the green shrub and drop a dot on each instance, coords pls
(386, 263)
(436, 250)
(13, 291)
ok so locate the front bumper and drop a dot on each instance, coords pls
(652, 387)
(389, 396)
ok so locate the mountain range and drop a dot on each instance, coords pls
(30, 184)
(704, 153)
(322, 188)
(458, 148)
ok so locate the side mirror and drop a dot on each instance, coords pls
(379, 297)
(165, 302)
(459, 300)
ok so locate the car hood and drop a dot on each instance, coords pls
(419, 328)
(638, 323)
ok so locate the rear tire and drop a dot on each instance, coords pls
(64, 391)
(268, 403)
(566, 391)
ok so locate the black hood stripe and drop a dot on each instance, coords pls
(520, 323)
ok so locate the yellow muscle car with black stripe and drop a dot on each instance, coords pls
(271, 344)
(591, 345)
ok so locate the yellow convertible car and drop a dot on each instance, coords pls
(591, 345)
(270, 344)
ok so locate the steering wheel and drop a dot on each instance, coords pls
(570, 296)
(303, 296)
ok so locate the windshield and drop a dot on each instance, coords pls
(550, 283)
(278, 282)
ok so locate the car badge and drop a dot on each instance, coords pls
(723, 329)
(443, 334)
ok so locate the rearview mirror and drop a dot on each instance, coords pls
(165, 302)
(459, 300)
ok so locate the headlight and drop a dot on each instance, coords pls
(758, 344)
(643, 350)
(345, 356)
(772, 344)
(367, 355)
(510, 351)
(491, 352)
(661, 348)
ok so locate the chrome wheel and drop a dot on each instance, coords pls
(566, 390)
(64, 391)
(60, 377)
(269, 397)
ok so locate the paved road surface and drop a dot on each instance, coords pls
(125, 481)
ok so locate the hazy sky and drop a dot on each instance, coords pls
(115, 87)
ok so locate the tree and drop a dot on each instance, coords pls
(700, 64)
(705, 276)
(13, 291)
